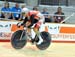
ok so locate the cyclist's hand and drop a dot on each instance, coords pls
(19, 24)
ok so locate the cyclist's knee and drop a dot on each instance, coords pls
(29, 30)
(36, 29)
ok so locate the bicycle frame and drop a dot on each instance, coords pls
(27, 33)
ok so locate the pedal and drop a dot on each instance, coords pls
(33, 41)
(36, 39)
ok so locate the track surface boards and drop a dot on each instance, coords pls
(55, 50)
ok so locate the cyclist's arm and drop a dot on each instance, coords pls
(41, 17)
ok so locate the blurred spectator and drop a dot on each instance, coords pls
(59, 18)
(16, 12)
(6, 11)
(46, 14)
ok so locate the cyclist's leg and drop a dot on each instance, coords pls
(36, 29)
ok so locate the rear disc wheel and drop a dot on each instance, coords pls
(46, 41)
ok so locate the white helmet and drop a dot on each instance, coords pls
(25, 10)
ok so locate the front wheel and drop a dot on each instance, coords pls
(46, 41)
(16, 42)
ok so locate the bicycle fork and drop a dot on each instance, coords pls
(22, 34)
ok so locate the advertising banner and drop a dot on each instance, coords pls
(58, 32)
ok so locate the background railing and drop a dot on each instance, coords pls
(69, 19)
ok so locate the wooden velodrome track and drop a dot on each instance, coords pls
(55, 50)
